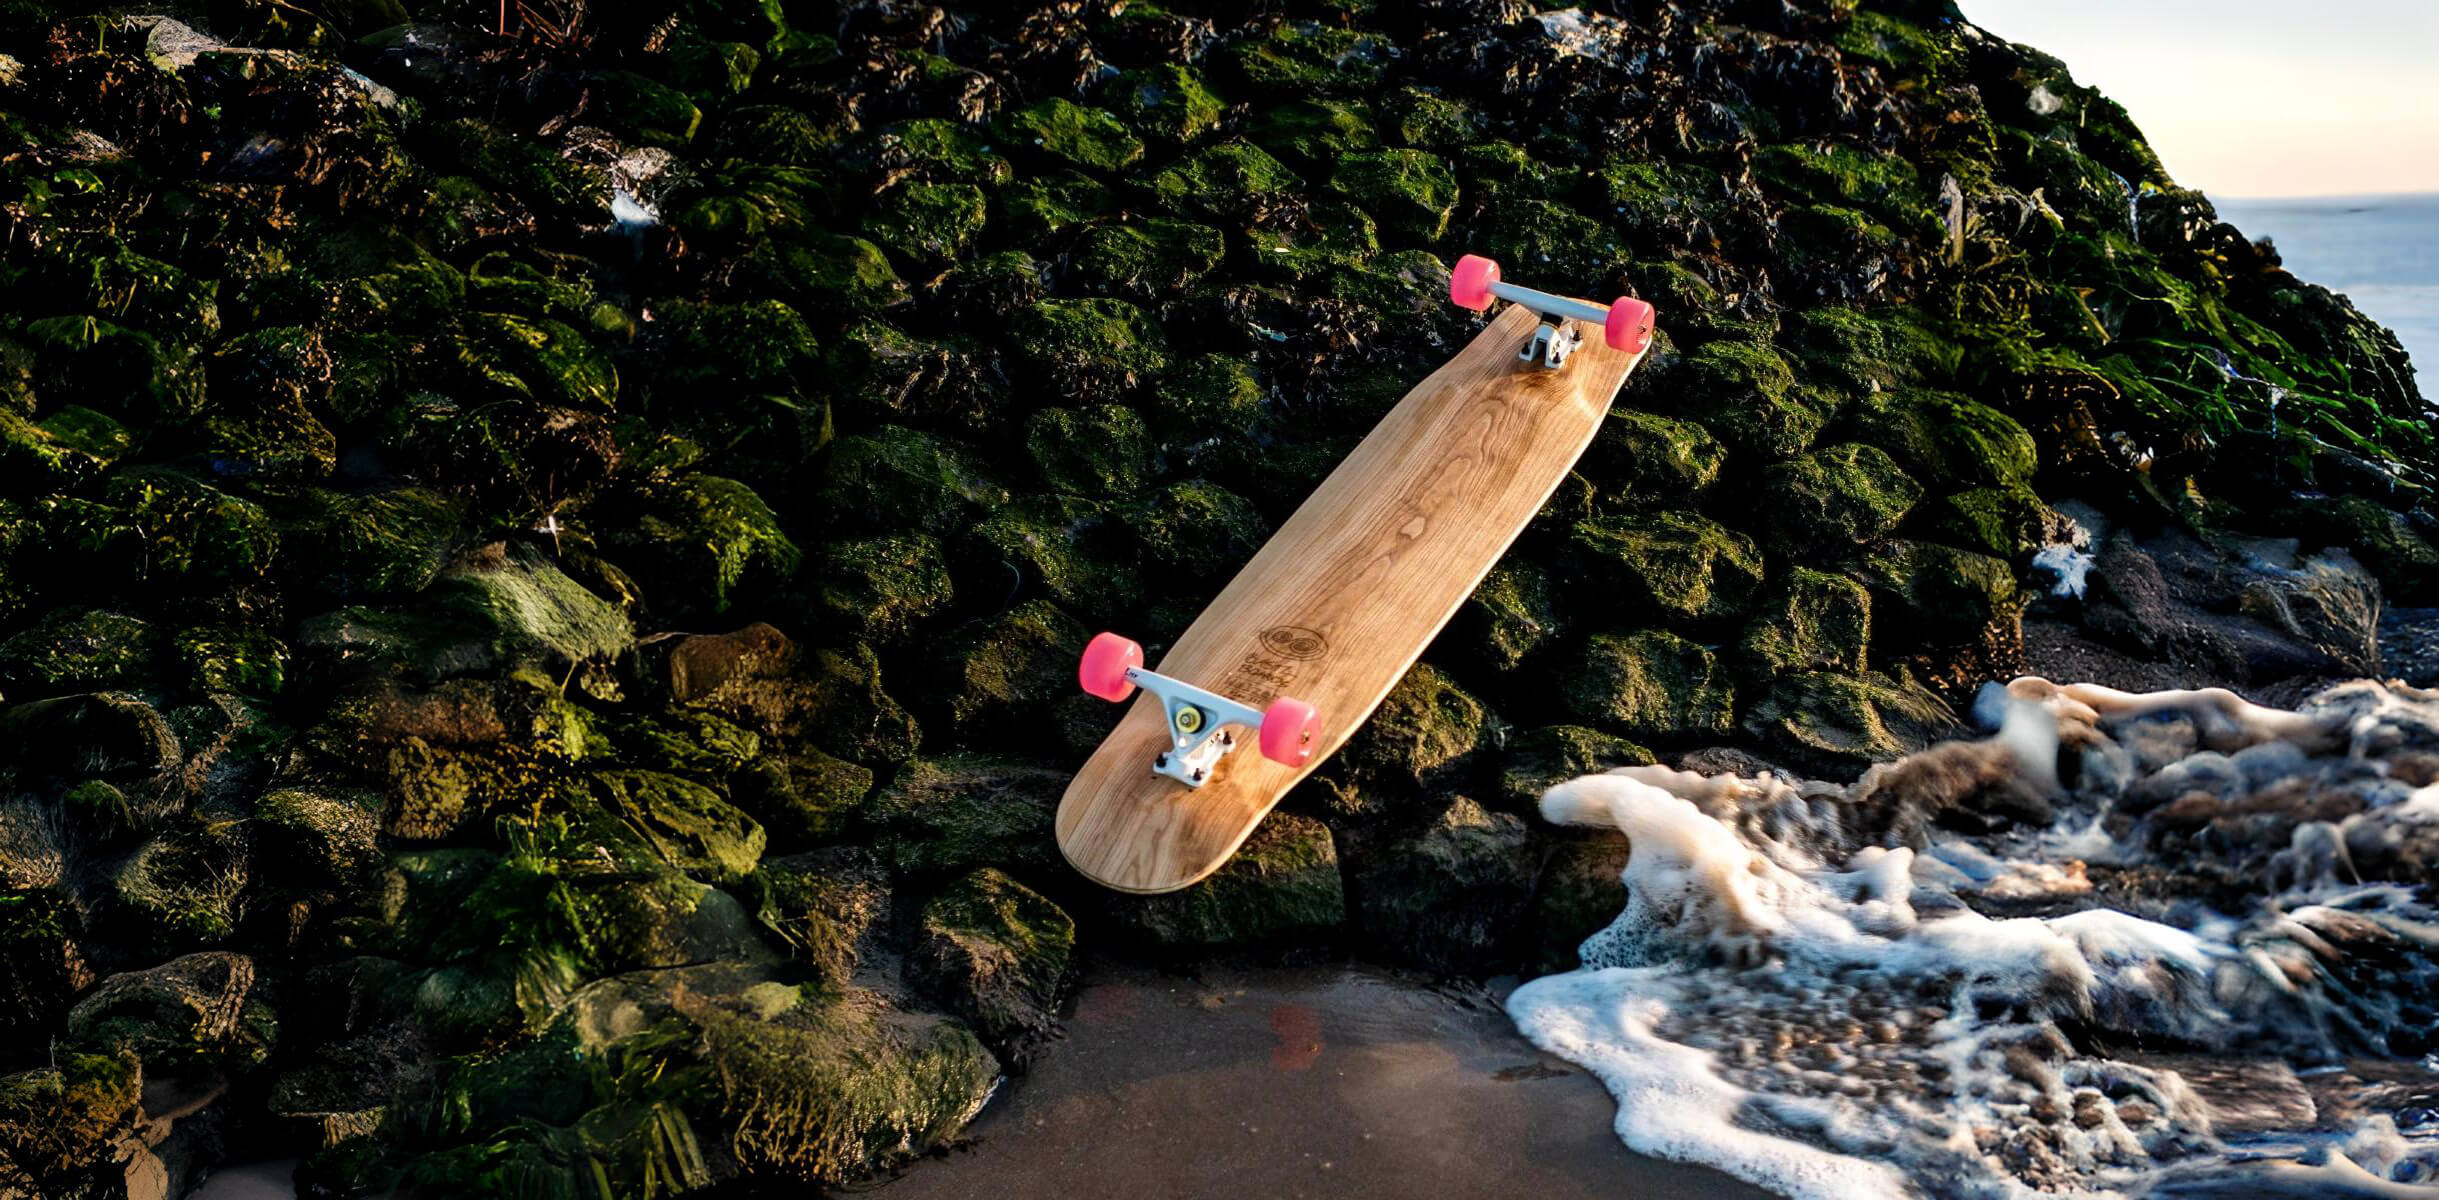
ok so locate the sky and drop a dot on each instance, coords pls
(2257, 97)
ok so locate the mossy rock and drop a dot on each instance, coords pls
(60, 1123)
(1229, 182)
(823, 1092)
(1281, 891)
(380, 543)
(500, 607)
(953, 814)
(1842, 721)
(1314, 132)
(98, 733)
(1832, 499)
(881, 373)
(1809, 621)
(1088, 350)
(2006, 522)
(1885, 185)
(710, 537)
(943, 149)
(221, 658)
(324, 840)
(198, 1012)
(1015, 664)
(156, 525)
(1865, 351)
(830, 907)
(1102, 451)
(1148, 260)
(803, 797)
(42, 963)
(1076, 136)
(893, 477)
(1939, 595)
(655, 113)
(1168, 101)
(1644, 460)
(1196, 530)
(1323, 239)
(2405, 560)
(1662, 205)
(1420, 117)
(992, 286)
(1299, 58)
(927, 222)
(1040, 206)
(79, 649)
(1746, 393)
(700, 745)
(1581, 889)
(1648, 684)
(1422, 730)
(828, 274)
(68, 449)
(996, 954)
(1451, 896)
(1554, 243)
(1537, 760)
(1952, 441)
(1510, 614)
(1067, 546)
(1208, 396)
(1669, 564)
(880, 588)
(686, 823)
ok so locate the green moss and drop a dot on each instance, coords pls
(686, 823)
(198, 1012)
(1868, 351)
(1951, 440)
(1017, 663)
(57, 1121)
(927, 222)
(1561, 248)
(1196, 530)
(2405, 561)
(1168, 101)
(1422, 118)
(1746, 393)
(1314, 132)
(1066, 545)
(159, 525)
(538, 359)
(1300, 58)
(1077, 136)
(996, 953)
(504, 607)
(880, 588)
(1282, 889)
(1326, 238)
(1834, 498)
(823, 909)
(1658, 203)
(1411, 192)
(711, 535)
(1643, 460)
(1939, 595)
(79, 649)
(1648, 684)
(831, 275)
(1667, 564)
(377, 543)
(943, 149)
(1882, 184)
(653, 112)
(1847, 720)
(2002, 521)
(1809, 621)
(321, 839)
(826, 1092)
(68, 449)
(1537, 760)
(1510, 614)
(1088, 350)
(724, 68)
(688, 742)
(1150, 259)
(1422, 730)
(1208, 395)
(522, 166)
(1037, 207)
(219, 658)
(956, 813)
(1230, 181)
(805, 797)
(1103, 451)
(776, 134)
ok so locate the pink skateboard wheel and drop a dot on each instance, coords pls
(1629, 324)
(1288, 726)
(1106, 659)
(1469, 286)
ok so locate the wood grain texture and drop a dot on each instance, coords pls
(1341, 600)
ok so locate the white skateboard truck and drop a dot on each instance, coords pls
(1626, 322)
(1202, 724)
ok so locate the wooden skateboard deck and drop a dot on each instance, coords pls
(1341, 601)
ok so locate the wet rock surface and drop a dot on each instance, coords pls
(566, 529)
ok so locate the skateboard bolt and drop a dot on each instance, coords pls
(1189, 720)
(1198, 777)
(1160, 760)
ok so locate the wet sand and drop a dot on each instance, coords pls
(1324, 1082)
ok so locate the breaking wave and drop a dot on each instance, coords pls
(2173, 944)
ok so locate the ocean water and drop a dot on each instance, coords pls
(2381, 251)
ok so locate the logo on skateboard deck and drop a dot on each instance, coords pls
(1294, 642)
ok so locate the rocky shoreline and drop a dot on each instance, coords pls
(544, 551)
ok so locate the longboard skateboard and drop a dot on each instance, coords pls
(1302, 645)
